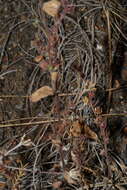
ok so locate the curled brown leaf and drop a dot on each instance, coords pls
(77, 129)
(42, 92)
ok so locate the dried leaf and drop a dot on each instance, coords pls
(41, 93)
(38, 58)
(79, 129)
(76, 129)
(51, 7)
(89, 133)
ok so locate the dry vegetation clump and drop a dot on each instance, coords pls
(63, 75)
